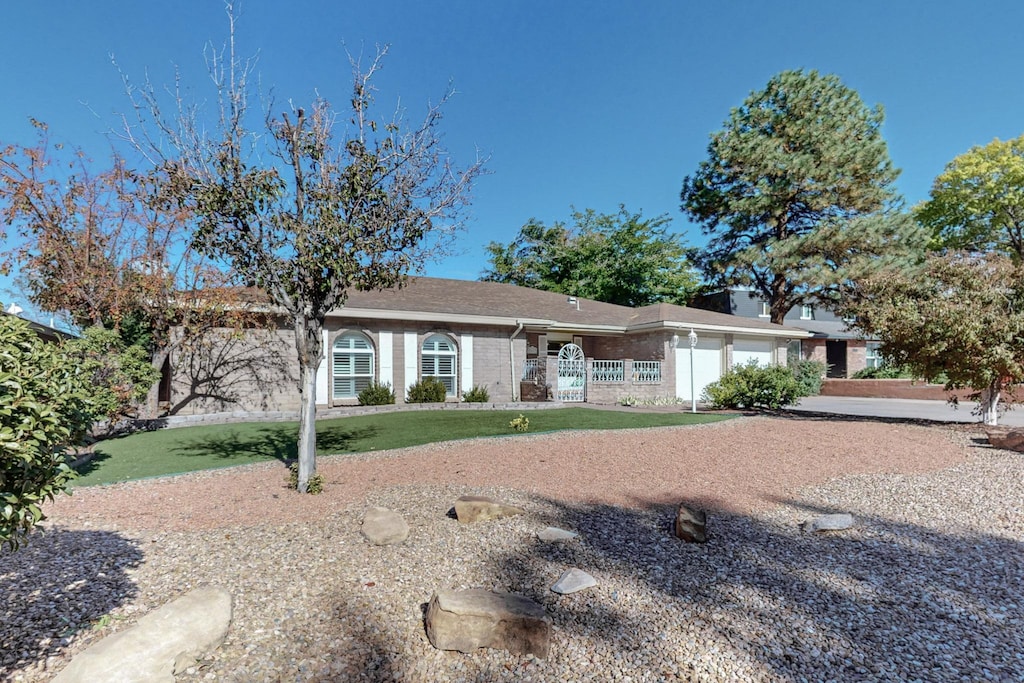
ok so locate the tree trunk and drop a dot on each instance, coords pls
(309, 346)
(990, 403)
(778, 305)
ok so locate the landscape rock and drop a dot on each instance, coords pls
(161, 644)
(384, 527)
(835, 522)
(1007, 438)
(572, 581)
(480, 508)
(553, 533)
(471, 619)
(690, 525)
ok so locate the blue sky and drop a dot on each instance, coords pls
(578, 103)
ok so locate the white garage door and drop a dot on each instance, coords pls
(746, 350)
(707, 366)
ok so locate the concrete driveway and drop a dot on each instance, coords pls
(939, 411)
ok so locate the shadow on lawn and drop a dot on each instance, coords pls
(273, 442)
(59, 584)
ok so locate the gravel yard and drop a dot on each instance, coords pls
(928, 586)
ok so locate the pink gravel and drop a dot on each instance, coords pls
(740, 465)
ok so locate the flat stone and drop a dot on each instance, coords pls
(572, 581)
(481, 508)
(690, 525)
(382, 526)
(471, 619)
(553, 533)
(835, 522)
(1007, 438)
(162, 643)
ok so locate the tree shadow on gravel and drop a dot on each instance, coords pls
(883, 601)
(57, 586)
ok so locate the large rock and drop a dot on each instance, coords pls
(835, 522)
(1008, 438)
(572, 581)
(471, 619)
(690, 525)
(384, 527)
(480, 508)
(161, 644)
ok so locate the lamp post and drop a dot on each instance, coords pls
(693, 392)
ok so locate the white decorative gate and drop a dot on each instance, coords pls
(572, 375)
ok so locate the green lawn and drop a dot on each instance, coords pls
(186, 449)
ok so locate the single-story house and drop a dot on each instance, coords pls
(521, 344)
(832, 341)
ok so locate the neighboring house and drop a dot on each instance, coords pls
(844, 351)
(44, 332)
(520, 343)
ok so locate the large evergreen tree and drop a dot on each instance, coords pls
(621, 258)
(797, 194)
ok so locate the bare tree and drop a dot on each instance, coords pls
(310, 204)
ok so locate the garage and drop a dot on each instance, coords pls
(745, 350)
(707, 366)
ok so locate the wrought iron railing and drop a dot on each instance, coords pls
(608, 371)
(647, 372)
(534, 370)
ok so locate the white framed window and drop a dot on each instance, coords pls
(439, 358)
(766, 310)
(873, 355)
(351, 364)
(794, 350)
(807, 312)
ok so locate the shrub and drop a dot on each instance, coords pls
(753, 386)
(520, 424)
(478, 394)
(883, 372)
(427, 390)
(809, 375)
(377, 394)
(44, 410)
(119, 376)
(314, 486)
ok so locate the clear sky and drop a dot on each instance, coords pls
(587, 103)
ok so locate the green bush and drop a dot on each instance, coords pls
(809, 375)
(478, 394)
(753, 386)
(44, 410)
(520, 424)
(377, 394)
(427, 390)
(883, 372)
(119, 376)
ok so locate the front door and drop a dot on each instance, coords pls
(835, 356)
(572, 375)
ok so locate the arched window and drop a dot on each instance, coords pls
(439, 360)
(353, 364)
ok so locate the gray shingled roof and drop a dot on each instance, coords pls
(492, 299)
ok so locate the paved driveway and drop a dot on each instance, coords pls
(903, 408)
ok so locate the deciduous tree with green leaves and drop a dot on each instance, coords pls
(797, 194)
(309, 205)
(977, 203)
(960, 316)
(621, 258)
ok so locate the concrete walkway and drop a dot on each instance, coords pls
(939, 411)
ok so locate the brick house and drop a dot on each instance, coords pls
(520, 343)
(831, 341)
